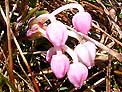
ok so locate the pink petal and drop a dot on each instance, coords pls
(82, 22)
(29, 33)
(83, 54)
(50, 53)
(77, 74)
(57, 34)
(92, 50)
(34, 32)
(60, 65)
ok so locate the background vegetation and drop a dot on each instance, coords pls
(22, 60)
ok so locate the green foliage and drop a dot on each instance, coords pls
(32, 3)
(78, 1)
(3, 81)
(93, 1)
(41, 12)
(120, 15)
(63, 89)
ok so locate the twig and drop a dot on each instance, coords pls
(89, 4)
(23, 69)
(96, 84)
(3, 54)
(58, 89)
(6, 60)
(3, 14)
(10, 61)
(108, 76)
(96, 74)
(46, 79)
(36, 52)
(107, 34)
(28, 84)
(116, 89)
(118, 72)
(15, 6)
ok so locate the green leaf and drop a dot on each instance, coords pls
(8, 82)
(32, 3)
(78, 1)
(93, 1)
(41, 12)
(120, 15)
(63, 88)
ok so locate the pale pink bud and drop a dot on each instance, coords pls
(50, 53)
(60, 65)
(82, 22)
(34, 32)
(77, 74)
(85, 55)
(92, 51)
(57, 34)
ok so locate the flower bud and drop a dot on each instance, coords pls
(60, 65)
(50, 53)
(77, 74)
(92, 51)
(83, 54)
(57, 34)
(35, 32)
(82, 22)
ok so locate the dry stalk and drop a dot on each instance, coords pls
(10, 61)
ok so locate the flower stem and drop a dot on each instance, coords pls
(51, 16)
(68, 6)
(45, 17)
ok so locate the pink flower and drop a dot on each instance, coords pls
(50, 53)
(34, 32)
(60, 65)
(57, 34)
(82, 22)
(86, 53)
(92, 51)
(77, 74)
(83, 54)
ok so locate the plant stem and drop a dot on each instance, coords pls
(68, 6)
(10, 61)
(108, 75)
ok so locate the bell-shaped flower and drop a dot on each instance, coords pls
(84, 54)
(57, 34)
(60, 65)
(77, 74)
(50, 53)
(82, 22)
(92, 51)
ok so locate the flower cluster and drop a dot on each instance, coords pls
(57, 33)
